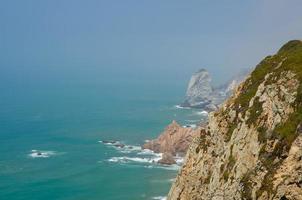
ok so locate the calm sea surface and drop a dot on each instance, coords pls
(49, 140)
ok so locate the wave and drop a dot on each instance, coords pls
(174, 167)
(146, 152)
(41, 154)
(159, 198)
(139, 157)
(118, 145)
(179, 160)
(131, 148)
(125, 159)
(190, 126)
(193, 120)
(181, 107)
(202, 113)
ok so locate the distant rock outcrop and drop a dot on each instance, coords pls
(199, 90)
(175, 140)
(201, 94)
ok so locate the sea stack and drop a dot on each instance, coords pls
(202, 94)
(199, 90)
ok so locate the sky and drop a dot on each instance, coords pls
(93, 40)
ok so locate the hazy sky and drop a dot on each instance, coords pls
(95, 39)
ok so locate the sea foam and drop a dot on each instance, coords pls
(159, 198)
(135, 155)
(41, 154)
(202, 113)
(180, 107)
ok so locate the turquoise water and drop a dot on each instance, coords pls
(68, 122)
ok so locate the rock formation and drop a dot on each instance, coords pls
(167, 159)
(174, 140)
(199, 90)
(252, 146)
(201, 94)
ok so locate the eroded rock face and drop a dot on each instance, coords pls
(201, 94)
(252, 146)
(199, 90)
(174, 140)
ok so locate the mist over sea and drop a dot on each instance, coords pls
(50, 139)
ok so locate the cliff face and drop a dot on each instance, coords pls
(252, 146)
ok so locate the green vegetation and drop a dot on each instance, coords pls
(285, 133)
(226, 175)
(262, 136)
(232, 127)
(251, 84)
(247, 186)
(231, 162)
(290, 55)
(288, 58)
(229, 166)
(255, 111)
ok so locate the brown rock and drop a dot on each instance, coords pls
(174, 140)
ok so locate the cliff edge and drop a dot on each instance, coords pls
(252, 146)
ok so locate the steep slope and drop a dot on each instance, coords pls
(252, 146)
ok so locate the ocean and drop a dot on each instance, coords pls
(50, 137)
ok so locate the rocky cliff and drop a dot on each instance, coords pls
(252, 146)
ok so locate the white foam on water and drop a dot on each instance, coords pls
(140, 157)
(120, 146)
(116, 159)
(166, 167)
(129, 149)
(41, 154)
(193, 120)
(147, 152)
(125, 159)
(109, 143)
(180, 107)
(179, 160)
(202, 113)
(159, 198)
(190, 126)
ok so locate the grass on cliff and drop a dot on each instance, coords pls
(292, 52)
(290, 55)
(286, 132)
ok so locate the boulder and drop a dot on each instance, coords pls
(167, 159)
